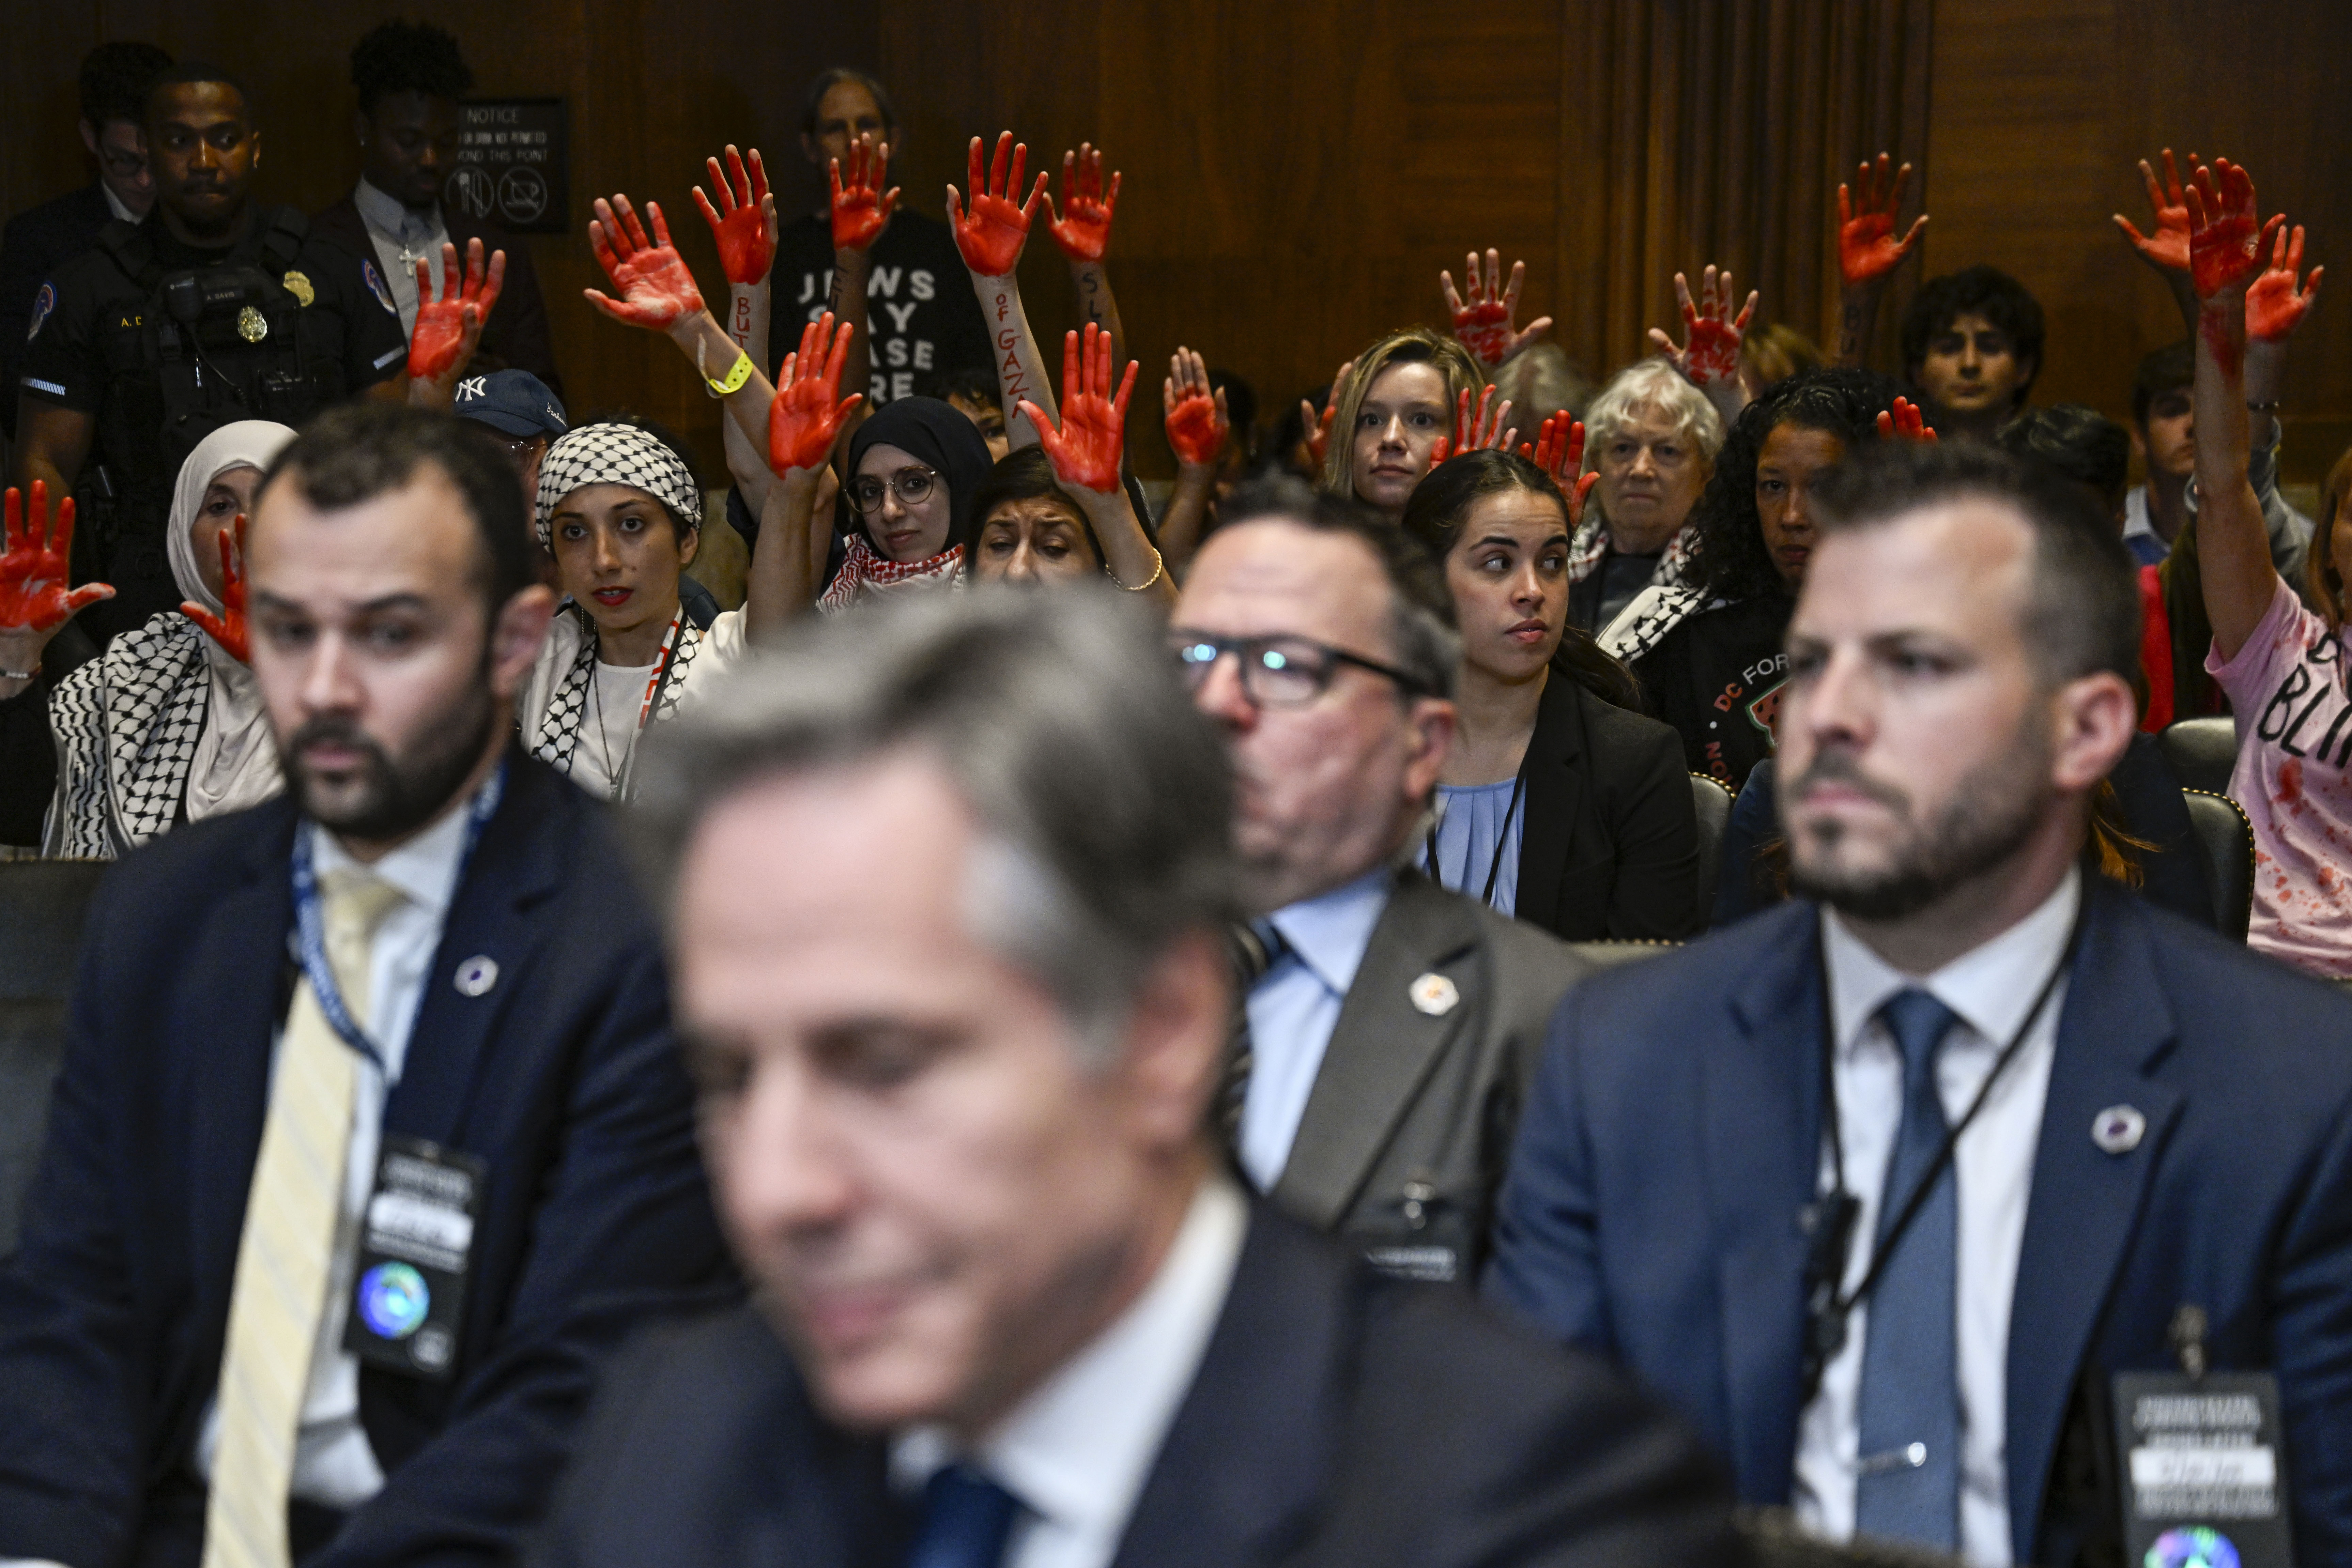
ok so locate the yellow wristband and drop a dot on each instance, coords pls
(734, 379)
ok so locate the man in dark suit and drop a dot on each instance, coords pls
(410, 77)
(946, 893)
(2147, 1118)
(1393, 1026)
(115, 79)
(318, 1250)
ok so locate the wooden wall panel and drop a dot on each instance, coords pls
(1296, 174)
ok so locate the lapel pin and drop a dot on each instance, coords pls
(2118, 1129)
(476, 975)
(1435, 994)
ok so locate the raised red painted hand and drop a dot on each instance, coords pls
(1558, 451)
(2275, 307)
(448, 328)
(1904, 422)
(804, 421)
(1082, 227)
(228, 627)
(2167, 247)
(2226, 234)
(861, 207)
(33, 568)
(1483, 321)
(991, 235)
(1477, 432)
(1709, 353)
(740, 222)
(656, 289)
(1087, 449)
(1197, 423)
(1318, 426)
(1867, 248)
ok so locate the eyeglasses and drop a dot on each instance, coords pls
(913, 487)
(1279, 671)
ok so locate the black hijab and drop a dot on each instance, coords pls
(940, 438)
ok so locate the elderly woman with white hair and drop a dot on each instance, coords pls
(1652, 437)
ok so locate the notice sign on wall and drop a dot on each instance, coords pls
(513, 164)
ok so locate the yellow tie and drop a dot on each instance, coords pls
(282, 1260)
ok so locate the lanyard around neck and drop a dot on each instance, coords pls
(310, 925)
(1502, 842)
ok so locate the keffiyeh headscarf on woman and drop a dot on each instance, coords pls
(235, 765)
(936, 435)
(558, 698)
(614, 454)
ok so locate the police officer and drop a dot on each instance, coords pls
(213, 309)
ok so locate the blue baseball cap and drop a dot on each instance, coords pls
(514, 401)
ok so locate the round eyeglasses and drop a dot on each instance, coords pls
(911, 485)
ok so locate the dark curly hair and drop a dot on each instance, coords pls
(1978, 291)
(1731, 562)
(408, 57)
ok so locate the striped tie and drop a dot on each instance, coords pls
(283, 1256)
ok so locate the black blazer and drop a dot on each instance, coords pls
(1335, 1419)
(516, 335)
(35, 244)
(113, 1313)
(1610, 847)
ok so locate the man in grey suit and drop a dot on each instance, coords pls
(1391, 1025)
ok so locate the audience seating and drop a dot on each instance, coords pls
(2202, 753)
(1714, 803)
(2227, 839)
(42, 903)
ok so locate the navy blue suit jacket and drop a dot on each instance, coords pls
(1336, 1418)
(1675, 1133)
(562, 1076)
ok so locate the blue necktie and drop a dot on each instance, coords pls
(1909, 1487)
(966, 1518)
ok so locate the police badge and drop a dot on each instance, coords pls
(299, 287)
(252, 325)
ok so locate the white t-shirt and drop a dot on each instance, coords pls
(581, 715)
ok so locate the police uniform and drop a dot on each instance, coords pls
(163, 342)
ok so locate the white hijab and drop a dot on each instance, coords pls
(235, 765)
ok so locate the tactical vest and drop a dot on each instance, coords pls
(216, 344)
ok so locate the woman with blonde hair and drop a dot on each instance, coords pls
(1392, 405)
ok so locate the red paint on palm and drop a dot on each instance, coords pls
(2167, 246)
(1905, 422)
(440, 342)
(229, 627)
(1559, 449)
(1867, 248)
(739, 223)
(991, 233)
(1087, 449)
(804, 421)
(861, 207)
(34, 564)
(2226, 234)
(656, 289)
(1082, 226)
(1485, 319)
(1197, 430)
(2275, 306)
(1478, 432)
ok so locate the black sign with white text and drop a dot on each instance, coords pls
(514, 163)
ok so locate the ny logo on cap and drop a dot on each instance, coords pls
(474, 386)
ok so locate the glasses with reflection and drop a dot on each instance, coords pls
(1280, 671)
(912, 485)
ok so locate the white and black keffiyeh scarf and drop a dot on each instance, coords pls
(555, 739)
(614, 454)
(126, 726)
(1589, 546)
(1643, 623)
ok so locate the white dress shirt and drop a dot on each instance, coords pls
(1989, 988)
(1077, 1451)
(333, 1464)
(403, 236)
(1293, 1009)
(114, 204)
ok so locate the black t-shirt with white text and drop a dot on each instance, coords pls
(919, 305)
(1716, 678)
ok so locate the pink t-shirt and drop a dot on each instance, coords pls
(2289, 691)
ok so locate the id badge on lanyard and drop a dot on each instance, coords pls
(416, 1250)
(2204, 1468)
